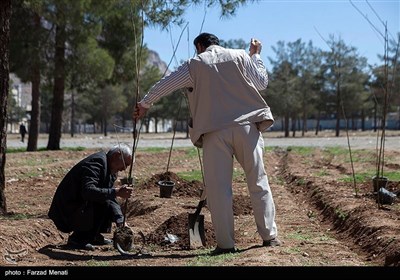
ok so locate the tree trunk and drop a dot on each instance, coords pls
(304, 128)
(5, 15)
(375, 116)
(338, 110)
(58, 91)
(293, 126)
(34, 126)
(105, 127)
(72, 112)
(287, 124)
(317, 129)
(362, 120)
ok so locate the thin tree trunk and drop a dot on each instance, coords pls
(72, 112)
(287, 124)
(34, 126)
(317, 129)
(58, 91)
(338, 110)
(363, 120)
(5, 15)
(375, 116)
(293, 127)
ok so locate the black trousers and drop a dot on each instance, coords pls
(102, 223)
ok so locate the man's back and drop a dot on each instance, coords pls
(223, 94)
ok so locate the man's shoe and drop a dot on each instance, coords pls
(101, 240)
(272, 243)
(78, 245)
(219, 251)
(89, 247)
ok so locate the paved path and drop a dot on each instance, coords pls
(165, 140)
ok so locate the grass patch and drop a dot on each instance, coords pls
(362, 156)
(300, 181)
(153, 150)
(360, 178)
(299, 235)
(293, 250)
(208, 260)
(17, 216)
(43, 149)
(367, 176)
(341, 214)
(192, 152)
(304, 151)
(191, 175)
(392, 175)
(336, 151)
(97, 263)
(322, 172)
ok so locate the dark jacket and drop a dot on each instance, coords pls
(22, 129)
(86, 187)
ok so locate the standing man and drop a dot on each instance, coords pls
(85, 200)
(22, 131)
(228, 116)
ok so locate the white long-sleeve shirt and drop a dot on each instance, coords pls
(180, 78)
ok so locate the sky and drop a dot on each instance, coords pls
(283, 20)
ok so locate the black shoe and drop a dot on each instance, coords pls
(80, 245)
(101, 240)
(219, 251)
(272, 243)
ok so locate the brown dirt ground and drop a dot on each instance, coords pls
(321, 220)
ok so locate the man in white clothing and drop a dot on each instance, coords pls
(228, 116)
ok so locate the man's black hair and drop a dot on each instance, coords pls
(206, 40)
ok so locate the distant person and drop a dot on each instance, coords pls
(228, 116)
(85, 200)
(22, 131)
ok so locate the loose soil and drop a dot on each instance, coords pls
(323, 218)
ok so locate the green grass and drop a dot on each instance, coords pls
(292, 250)
(360, 177)
(341, 214)
(304, 151)
(322, 172)
(208, 260)
(392, 175)
(192, 152)
(23, 149)
(367, 176)
(191, 175)
(300, 181)
(336, 151)
(153, 149)
(17, 216)
(299, 235)
(97, 263)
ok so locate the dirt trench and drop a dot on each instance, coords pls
(355, 216)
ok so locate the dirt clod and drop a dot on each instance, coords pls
(124, 237)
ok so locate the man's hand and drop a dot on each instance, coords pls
(139, 112)
(124, 191)
(255, 46)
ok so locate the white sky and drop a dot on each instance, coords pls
(273, 21)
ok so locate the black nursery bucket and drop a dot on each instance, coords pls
(166, 188)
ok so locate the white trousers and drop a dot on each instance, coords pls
(247, 145)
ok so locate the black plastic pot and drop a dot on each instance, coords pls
(379, 182)
(166, 188)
